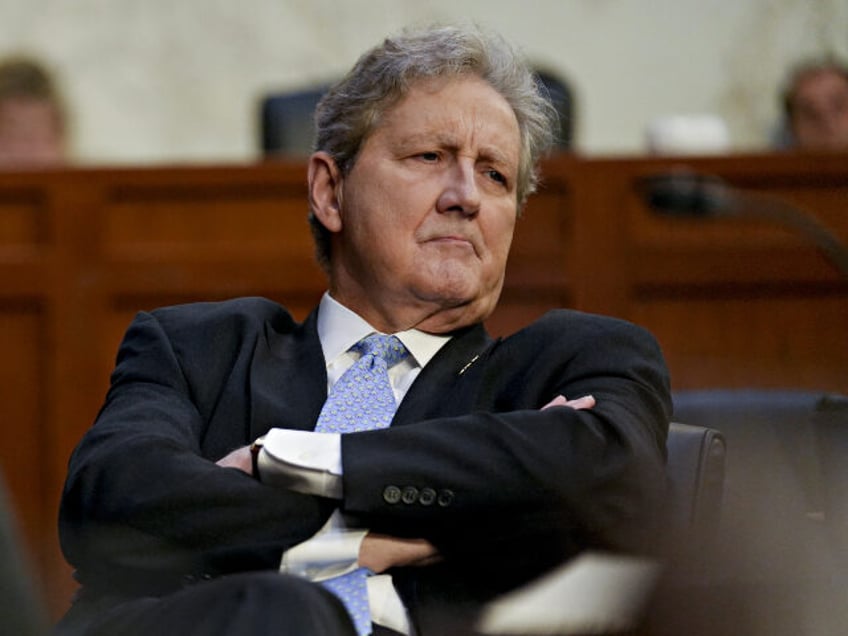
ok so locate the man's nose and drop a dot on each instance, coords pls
(461, 191)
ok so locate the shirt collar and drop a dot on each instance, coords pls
(339, 329)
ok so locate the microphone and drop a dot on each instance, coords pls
(683, 193)
(688, 194)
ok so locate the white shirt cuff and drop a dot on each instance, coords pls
(334, 551)
(324, 556)
(385, 604)
(303, 461)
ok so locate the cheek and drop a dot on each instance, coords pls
(499, 235)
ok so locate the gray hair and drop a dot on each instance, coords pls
(351, 109)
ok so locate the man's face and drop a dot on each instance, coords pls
(820, 111)
(428, 210)
(30, 134)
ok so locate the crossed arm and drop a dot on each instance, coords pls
(379, 552)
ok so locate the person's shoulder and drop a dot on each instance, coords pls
(579, 323)
(249, 306)
(568, 332)
(248, 313)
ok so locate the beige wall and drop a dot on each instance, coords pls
(178, 80)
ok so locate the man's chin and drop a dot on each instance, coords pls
(452, 313)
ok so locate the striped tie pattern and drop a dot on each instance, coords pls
(361, 400)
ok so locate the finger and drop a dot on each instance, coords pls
(581, 403)
(239, 458)
(559, 400)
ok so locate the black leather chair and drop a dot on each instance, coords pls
(696, 456)
(286, 123)
(561, 94)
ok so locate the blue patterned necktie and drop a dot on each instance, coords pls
(361, 400)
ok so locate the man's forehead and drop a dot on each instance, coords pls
(821, 79)
(456, 139)
(490, 124)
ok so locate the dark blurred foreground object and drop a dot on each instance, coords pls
(830, 432)
(21, 609)
(779, 564)
(32, 116)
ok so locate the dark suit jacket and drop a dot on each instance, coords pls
(146, 508)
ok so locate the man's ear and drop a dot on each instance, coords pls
(325, 186)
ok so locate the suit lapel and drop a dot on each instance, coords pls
(448, 384)
(284, 358)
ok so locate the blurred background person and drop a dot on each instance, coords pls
(815, 103)
(32, 115)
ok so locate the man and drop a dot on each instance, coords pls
(32, 119)
(816, 106)
(504, 457)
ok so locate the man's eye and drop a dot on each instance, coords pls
(494, 175)
(429, 156)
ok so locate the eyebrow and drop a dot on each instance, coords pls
(446, 139)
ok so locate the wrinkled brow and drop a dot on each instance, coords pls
(446, 140)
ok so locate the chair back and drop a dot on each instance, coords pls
(286, 122)
(695, 467)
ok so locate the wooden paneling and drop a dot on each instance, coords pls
(23, 220)
(733, 303)
(196, 223)
(751, 340)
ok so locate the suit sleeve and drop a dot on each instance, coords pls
(141, 498)
(523, 486)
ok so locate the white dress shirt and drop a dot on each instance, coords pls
(311, 462)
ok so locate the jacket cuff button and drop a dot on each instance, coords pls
(427, 497)
(445, 498)
(391, 494)
(409, 495)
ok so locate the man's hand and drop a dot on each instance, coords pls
(379, 552)
(240, 458)
(578, 404)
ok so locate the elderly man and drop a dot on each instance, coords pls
(385, 465)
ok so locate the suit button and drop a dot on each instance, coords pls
(391, 494)
(427, 497)
(409, 495)
(445, 498)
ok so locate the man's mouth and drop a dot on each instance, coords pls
(458, 240)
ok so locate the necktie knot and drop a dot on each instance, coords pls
(363, 399)
(379, 345)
